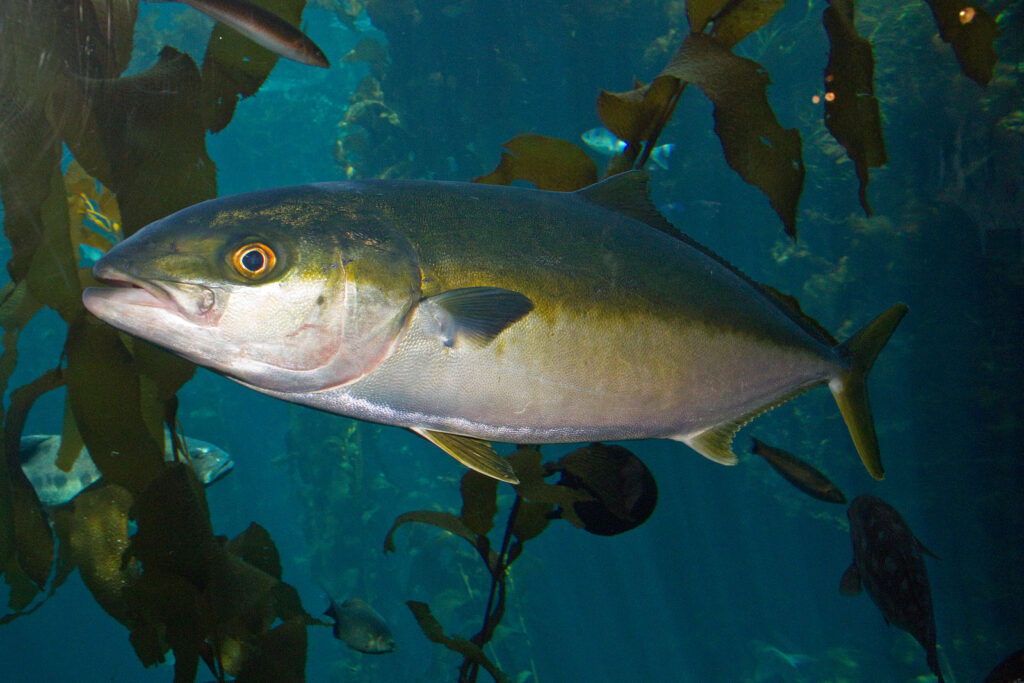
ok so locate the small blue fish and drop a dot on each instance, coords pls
(661, 153)
(603, 141)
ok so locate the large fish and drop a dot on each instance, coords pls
(472, 313)
(54, 486)
(887, 562)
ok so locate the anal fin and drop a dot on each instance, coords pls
(715, 442)
(476, 454)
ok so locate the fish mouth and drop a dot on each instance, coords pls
(218, 472)
(190, 301)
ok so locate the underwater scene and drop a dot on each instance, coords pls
(662, 340)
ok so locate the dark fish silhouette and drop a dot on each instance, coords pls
(798, 473)
(887, 562)
(360, 627)
(624, 490)
(1010, 670)
(264, 28)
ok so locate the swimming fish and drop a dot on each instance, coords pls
(360, 627)
(774, 664)
(54, 486)
(263, 28)
(623, 489)
(798, 473)
(1010, 670)
(471, 313)
(887, 562)
(603, 141)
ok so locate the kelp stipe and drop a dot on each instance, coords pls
(589, 479)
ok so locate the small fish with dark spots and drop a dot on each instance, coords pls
(360, 627)
(887, 562)
(800, 474)
(1010, 670)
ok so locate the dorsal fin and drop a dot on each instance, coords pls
(629, 194)
(797, 314)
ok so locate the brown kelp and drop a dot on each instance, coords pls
(754, 143)
(61, 83)
(536, 503)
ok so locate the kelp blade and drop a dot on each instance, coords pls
(851, 111)
(764, 153)
(549, 163)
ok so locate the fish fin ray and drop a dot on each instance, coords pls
(850, 583)
(791, 306)
(629, 194)
(850, 389)
(475, 314)
(476, 454)
(715, 442)
(923, 549)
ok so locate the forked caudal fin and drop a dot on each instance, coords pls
(850, 389)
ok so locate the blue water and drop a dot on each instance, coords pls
(734, 561)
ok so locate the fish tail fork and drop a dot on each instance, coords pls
(850, 388)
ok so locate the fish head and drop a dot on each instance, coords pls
(862, 513)
(382, 643)
(602, 140)
(283, 290)
(209, 461)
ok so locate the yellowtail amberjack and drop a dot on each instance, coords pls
(472, 313)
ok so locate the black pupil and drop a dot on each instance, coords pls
(253, 260)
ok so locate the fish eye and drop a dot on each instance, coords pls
(253, 260)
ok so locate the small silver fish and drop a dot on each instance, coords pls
(57, 487)
(360, 627)
(603, 141)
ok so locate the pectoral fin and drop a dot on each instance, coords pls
(850, 583)
(475, 454)
(474, 314)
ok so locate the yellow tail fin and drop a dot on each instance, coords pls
(850, 389)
